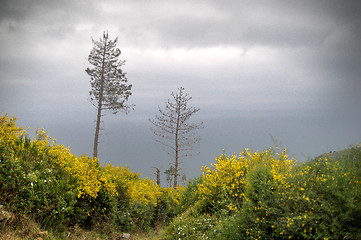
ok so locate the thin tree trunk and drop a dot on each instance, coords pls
(158, 176)
(176, 161)
(97, 128)
(176, 149)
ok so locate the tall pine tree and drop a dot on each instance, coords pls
(110, 88)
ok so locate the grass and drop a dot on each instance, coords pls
(27, 229)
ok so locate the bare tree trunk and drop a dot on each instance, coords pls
(157, 173)
(176, 162)
(158, 176)
(176, 148)
(97, 128)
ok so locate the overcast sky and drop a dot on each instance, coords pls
(256, 69)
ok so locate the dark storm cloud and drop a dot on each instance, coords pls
(192, 23)
(203, 23)
(41, 20)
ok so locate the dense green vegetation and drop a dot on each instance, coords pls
(256, 195)
(43, 182)
(266, 195)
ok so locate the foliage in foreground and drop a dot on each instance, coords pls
(267, 195)
(43, 181)
(256, 195)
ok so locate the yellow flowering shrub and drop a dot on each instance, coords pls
(140, 190)
(174, 194)
(284, 200)
(88, 171)
(228, 175)
(144, 191)
(9, 133)
(79, 189)
(171, 199)
(91, 175)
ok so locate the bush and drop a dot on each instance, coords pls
(31, 185)
(57, 189)
(266, 195)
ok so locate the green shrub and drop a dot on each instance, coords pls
(32, 186)
(58, 190)
(277, 199)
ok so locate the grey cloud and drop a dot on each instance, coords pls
(192, 23)
(55, 19)
(269, 23)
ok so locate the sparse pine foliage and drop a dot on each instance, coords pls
(110, 88)
(173, 128)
